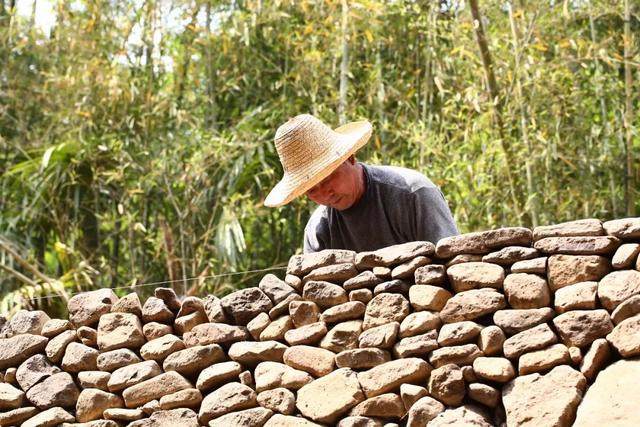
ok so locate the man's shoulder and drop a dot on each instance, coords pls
(402, 179)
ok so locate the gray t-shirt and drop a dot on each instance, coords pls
(399, 205)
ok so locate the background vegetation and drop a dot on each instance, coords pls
(136, 136)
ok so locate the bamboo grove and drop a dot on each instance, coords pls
(136, 136)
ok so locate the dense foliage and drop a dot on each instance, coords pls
(136, 136)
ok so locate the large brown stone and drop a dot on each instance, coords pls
(612, 400)
(532, 339)
(120, 330)
(407, 269)
(524, 290)
(33, 370)
(158, 349)
(86, 308)
(578, 245)
(130, 375)
(366, 279)
(419, 323)
(579, 296)
(447, 385)
(428, 297)
(324, 294)
(533, 266)
(565, 270)
(423, 411)
(271, 375)
(336, 273)
(228, 398)
(544, 400)
(629, 308)
(10, 397)
(252, 353)
(497, 369)
(28, 322)
(580, 328)
(362, 358)
(389, 376)
(343, 336)
(457, 354)
(276, 289)
(316, 361)
(625, 337)
(17, 349)
(458, 333)
(510, 255)
(299, 265)
(470, 305)
(306, 335)
(49, 418)
(278, 400)
(416, 346)
(388, 405)
(56, 390)
(514, 321)
(595, 358)
(56, 346)
(433, 274)
(17, 416)
(340, 392)
(482, 242)
(618, 286)
(79, 357)
(154, 388)
(215, 333)
(543, 360)
(474, 275)
(245, 304)
(93, 402)
(218, 374)
(383, 336)
(624, 228)
(625, 256)
(192, 360)
(347, 311)
(581, 227)
(385, 308)
(394, 255)
(129, 303)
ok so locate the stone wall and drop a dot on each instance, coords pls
(509, 326)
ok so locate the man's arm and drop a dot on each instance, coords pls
(433, 218)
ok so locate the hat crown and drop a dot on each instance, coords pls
(302, 140)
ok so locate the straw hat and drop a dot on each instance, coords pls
(309, 151)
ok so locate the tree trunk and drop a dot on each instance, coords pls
(628, 116)
(606, 140)
(532, 200)
(211, 112)
(344, 65)
(492, 85)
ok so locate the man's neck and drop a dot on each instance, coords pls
(362, 183)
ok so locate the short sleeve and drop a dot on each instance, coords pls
(315, 232)
(433, 218)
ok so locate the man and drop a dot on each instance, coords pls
(362, 207)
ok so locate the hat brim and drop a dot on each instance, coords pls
(353, 136)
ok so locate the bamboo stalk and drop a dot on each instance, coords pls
(492, 85)
(628, 116)
(344, 65)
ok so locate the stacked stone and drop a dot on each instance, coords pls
(502, 326)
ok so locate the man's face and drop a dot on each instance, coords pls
(339, 190)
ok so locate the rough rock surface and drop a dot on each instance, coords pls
(500, 327)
